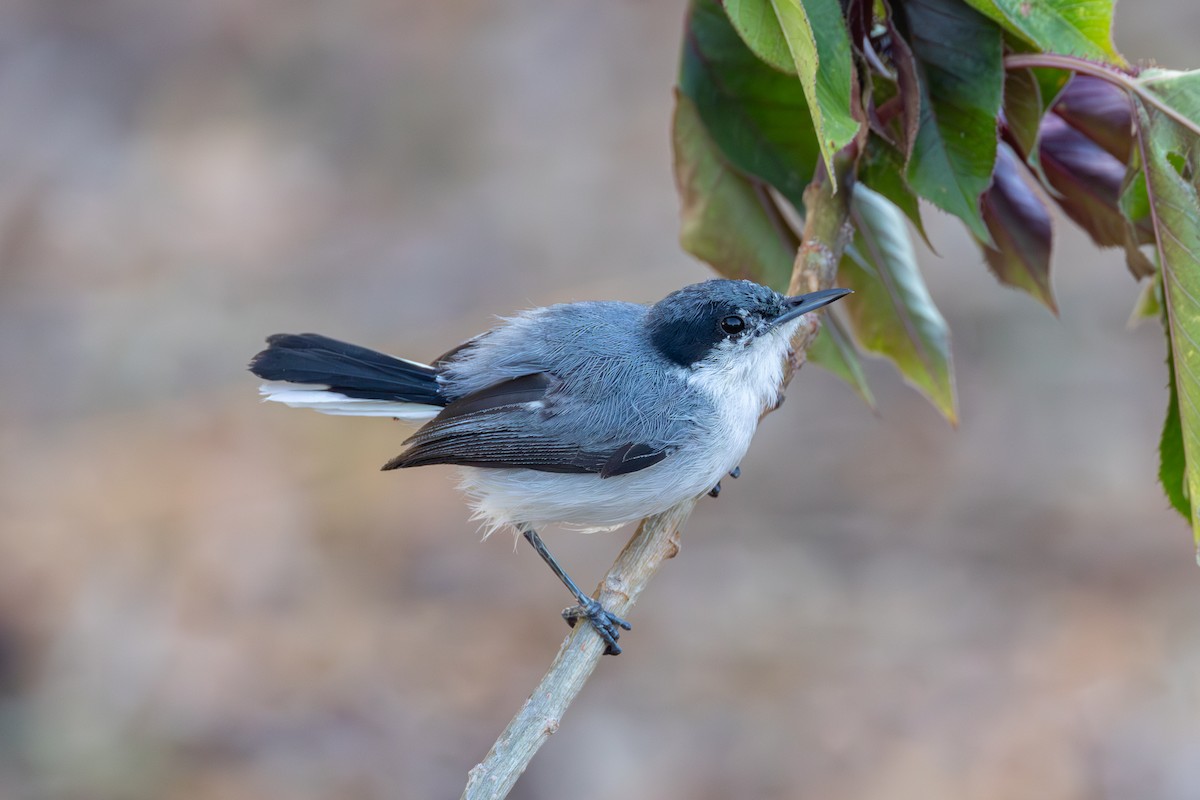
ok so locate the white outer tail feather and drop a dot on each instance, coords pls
(321, 398)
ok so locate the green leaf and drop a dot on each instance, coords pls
(959, 63)
(892, 313)
(1170, 150)
(731, 223)
(755, 22)
(1023, 109)
(881, 167)
(1173, 95)
(1139, 227)
(1149, 306)
(816, 34)
(1073, 27)
(1051, 82)
(726, 220)
(757, 115)
(815, 46)
(1135, 199)
(1020, 226)
(1172, 463)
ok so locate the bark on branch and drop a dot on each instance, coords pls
(826, 233)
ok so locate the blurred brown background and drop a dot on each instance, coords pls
(203, 597)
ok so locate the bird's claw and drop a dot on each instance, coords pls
(736, 472)
(606, 623)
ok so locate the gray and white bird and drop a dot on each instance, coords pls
(588, 415)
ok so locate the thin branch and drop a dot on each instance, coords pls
(826, 233)
(656, 540)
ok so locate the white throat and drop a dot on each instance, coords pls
(743, 381)
(746, 374)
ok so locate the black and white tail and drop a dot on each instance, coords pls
(307, 370)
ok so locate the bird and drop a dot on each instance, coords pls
(587, 415)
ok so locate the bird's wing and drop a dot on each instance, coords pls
(506, 425)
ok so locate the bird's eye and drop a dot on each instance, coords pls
(733, 324)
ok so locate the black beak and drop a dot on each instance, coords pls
(804, 303)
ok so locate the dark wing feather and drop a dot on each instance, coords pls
(500, 427)
(504, 396)
(631, 458)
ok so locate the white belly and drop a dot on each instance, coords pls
(584, 502)
(588, 502)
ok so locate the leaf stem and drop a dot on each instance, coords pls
(1114, 76)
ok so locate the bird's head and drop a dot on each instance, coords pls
(727, 324)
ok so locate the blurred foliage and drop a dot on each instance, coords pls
(989, 110)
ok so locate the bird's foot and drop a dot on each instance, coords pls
(606, 623)
(736, 472)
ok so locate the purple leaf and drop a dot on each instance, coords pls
(1100, 111)
(1021, 228)
(1087, 178)
(908, 87)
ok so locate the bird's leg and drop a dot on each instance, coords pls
(735, 473)
(605, 622)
